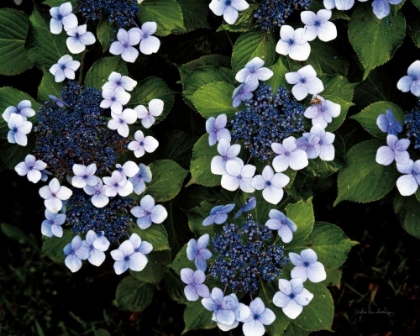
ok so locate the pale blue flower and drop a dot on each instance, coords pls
(117, 183)
(228, 8)
(317, 25)
(114, 100)
(24, 109)
(19, 127)
(124, 44)
(148, 116)
(31, 167)
(292, 297)
(307, 266)
(218, 214)
(148, 213)
(141, 178)
(128, 169)
(149, 44)
(411, 82)
(54, 194)
(126, 258)
(254, 71)
(64, 68)
(196, 250)
(325, 142)
(271, 184)
(305, 81)
(96, 255)
(195, 284)
(118, 82)
(293, 43)
(408, 183)
(75, 252)
(388, 124)
(79, 38)
(310, 144)
(120, 121)
(98, 192)
(238, 176)
(250, 204)
(227, 153)
(216, 128)
(62, 16)
(259, 316)
(396, 149)
(51, 226)
(288, 155)
(322, 113)
(243, 92)
(381, 8)
(84, 175)
(284, 225)
(142, 144)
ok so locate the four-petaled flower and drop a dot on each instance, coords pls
(51, 225)
(293, 43)
(215, 127)
(142, 144)
(253, 71)
(227, 153)
(218, 214)
(284, 225)
(24, 109)
(318, 25)
(120, 121)
(148, 213)
(388, 124)
(84, 175)
(324, 146)
(396, 149)
(243, 92)
(64, 68)
(125, 43)
(196, 250)
(31, 167)
(62, 16)
(118, 82)
(307, 266)
(75, 251)
(79, 38)
(259, 316)
(149, 44)
(305, 81)
(54, 194)
(96, 251)
(322, 113)
(289, 155)
(117, 183)
(228, 8)
(250, 204)
(139, 180)
(98, 192)
(381, 8)
(238, 176)
(408, 183)
(411, 82)
(271, 184)
(195, 284)
(18, 128)
(148, 116)
(114, 99)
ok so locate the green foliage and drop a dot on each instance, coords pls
(53, 247)
(197, 317)
(155, 235)
(98, 74)
(13, 29)
(105, 34)
(302, 214)
(133, 294)
(155, 269)
(194, 14)
(407, 210)
(48, 86)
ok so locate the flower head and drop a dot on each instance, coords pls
(51, 226)
(75, 252)
(120, 121)
(196, 250)
(98, 192)
(284, 225)
(31, 167)
(149, 44)
(271, 184)
(115, 99)
(254, 71)
(62, 16)
(148, 213)
(259, 316)
(411, 82)
(228, 8)
(322, 112)
(142, 144)
(148, 116)
(317, 25)
(216, 128)
(79, 38)
(324, 145)
(408, 183)
(307, 266)
(218, 214)
(195, 284)
(24, 109)
(125, 43)
(293, 43)
(117, 183)
(305, 81)
(289, 155)
(64, 68)
(84, 175)
(139, 180)
(19, 127)
(96, 252)
(227, 153)
(388, 124)
(54, 194)
(396, 149)
(238, 176)
(127, 258)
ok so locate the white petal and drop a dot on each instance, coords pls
(74, 45)
(407, 185)
(149, 45)
(292, 310)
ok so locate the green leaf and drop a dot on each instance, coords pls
(168, 177)
(408, 211)
(253, 44)
(375, 40)
(302, 214)
(329, 243)
(105, 33)
(166, 13)
(213, 99)
(206, 60)
(155, 235)
(373, 89)
(181, 261)
(319, 313)
(197, 317)
(416, 3)
(175, 287)
(331, 60)
(155, 269)
(340, 91)
(99, 72)
(367, 117)
(363, 180)
(48, 86)
(44, 48)
(278, 79)
(294, 330)
(244, 22)
(194, 13)
(152, 88)
(200, 168)
(133, 295)
(13, 29)
(53, 247)
(333, 277)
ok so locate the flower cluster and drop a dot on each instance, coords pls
(242, 256)
(381, 8)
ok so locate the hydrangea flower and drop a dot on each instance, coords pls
(305, 81)
(24, 109)
(218, 214)
(324, 146)
(388, 124)
(289, 155)
(216, 128)
(228, 8)
(54, 194)
(382, 8)
(238, 176)
(307, 266)
(18, 128)
(75, 252)
(293, 43)
(396, 149)
(51, 225)
(284, 225)
(142, 144)
(254, 71)
(96, 253)
(79, 38)
(84, 175)
(121, 121)
(322, 112)
(101, 243)
(114, 100)
(227, 153)
(31, 167)
(259, 316)
(292, 297)
(148, 213)
(148, 116)
(128, 169)
(98, 192)
(309, 142)
(271, 184)
(139, 180)
(408, 183)
(340, 4)
(196, 250)
(148, 44)
(250, 204)
(127, 258)
(125, 43)
(139, 245)
(243, 92)
(317, 25)
(64, 68)
(117, 183)
(118, 82)
(195, 284)
(411, 82)
(62, 16)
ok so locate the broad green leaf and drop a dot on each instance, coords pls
(196, 217)
(194, 13)
(176, 224)
(133, 295)
(166, 13)
(408, 211)
(152, 88)
(197, 317)
(12, 154)
(105, 33)
(213, 99)
(294, 330)
(200, 168)
(340, 91)
(329, 242)
(175, 287)
(244, 22)
(278, 78)
(375, 40)
(99, 72)
(253, 44)
(181, 261)
(48, 86)
(53, 247)
(206, 60)
(416, 3)
(44, 48)
(331, 60)
(168, 177)
(13, 29)
(367, 117)
(155, 235)
(319, 313)
(302, 214)
(363, 180)
(155, 269)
